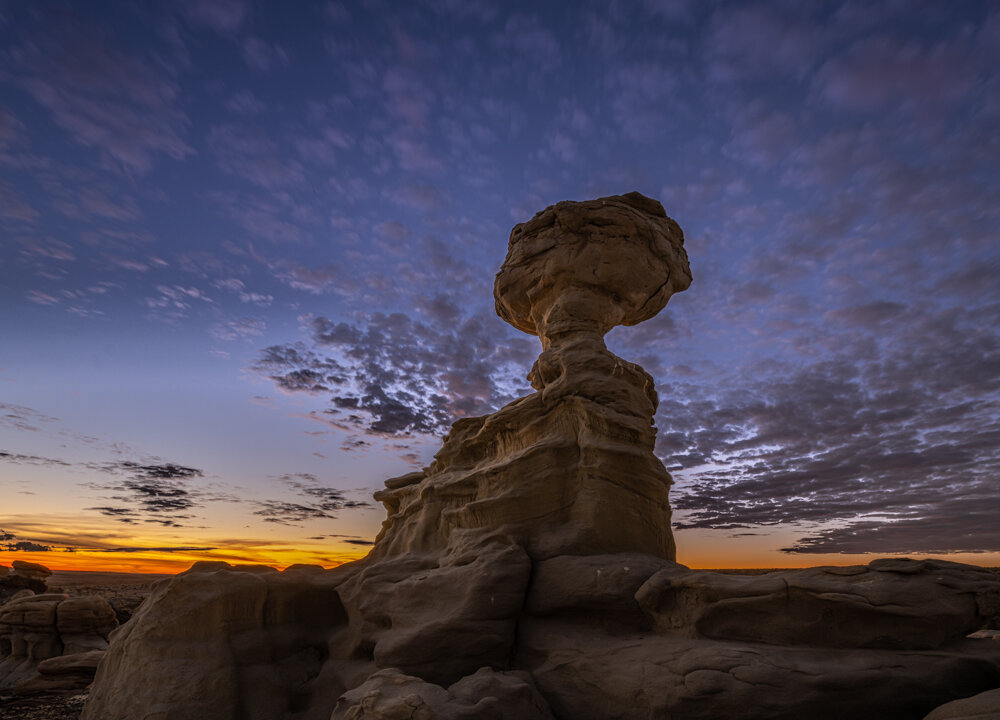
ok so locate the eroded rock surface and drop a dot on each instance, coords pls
(484, 695)
(224, 642)
(36, 628)
(529, 571)
(569, 469)
(984, 706)
(897, 604)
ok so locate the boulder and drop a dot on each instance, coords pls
(485, 695)
(62, 674)
(30, 570)
(444, 620)
(984, 706)
(23, 576)
(587, 674)
(902, 605)
(37, 628)
(224, 642)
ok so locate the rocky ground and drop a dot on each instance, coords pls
(44, 707)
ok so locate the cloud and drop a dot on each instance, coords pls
(393, 375)
(102, 92)
(760, 39)
(248, 153)
(320, 502)
(7, 543)
(20, 459)
(530, 44)
(26, 546)
(121, 514)
(13, 207)
(157, 492)
(882, 72)
(165, 549)
(245, 102)
(261, 55)
(238, 329)
(883, 443)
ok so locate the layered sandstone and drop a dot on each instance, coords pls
(569, 469)
(529, 571)
(36, 629)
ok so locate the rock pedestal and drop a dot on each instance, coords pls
(528, 573)
(569, 469)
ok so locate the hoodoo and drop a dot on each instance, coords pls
(529, 573)
(569, 469)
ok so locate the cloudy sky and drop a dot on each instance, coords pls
(248, 251)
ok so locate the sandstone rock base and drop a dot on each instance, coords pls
(51, 628)
(493, 634)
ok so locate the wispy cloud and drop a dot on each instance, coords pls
(320, 502)
(101, 91)
(393, 374)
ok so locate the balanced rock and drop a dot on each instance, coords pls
(529, 572)
(30, 570)
(569, 469)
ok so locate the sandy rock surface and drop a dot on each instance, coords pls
(984, 706)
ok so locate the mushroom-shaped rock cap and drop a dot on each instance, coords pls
(591, 265)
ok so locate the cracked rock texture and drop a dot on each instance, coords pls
(529, 571)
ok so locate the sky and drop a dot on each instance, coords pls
(247, 252)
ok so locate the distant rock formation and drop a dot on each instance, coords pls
(528, 573)
(22, 576)
(51, 641)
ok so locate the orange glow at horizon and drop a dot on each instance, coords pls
(172, 563)
(175, 562)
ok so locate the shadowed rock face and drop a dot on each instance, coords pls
(24, 576)
(52, 634)
(529, 571)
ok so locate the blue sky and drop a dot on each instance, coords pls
(248, 252)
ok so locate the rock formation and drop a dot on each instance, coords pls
(984, 706)
(54, 636)
(22, 576)
(569, 469)
(529, 571)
